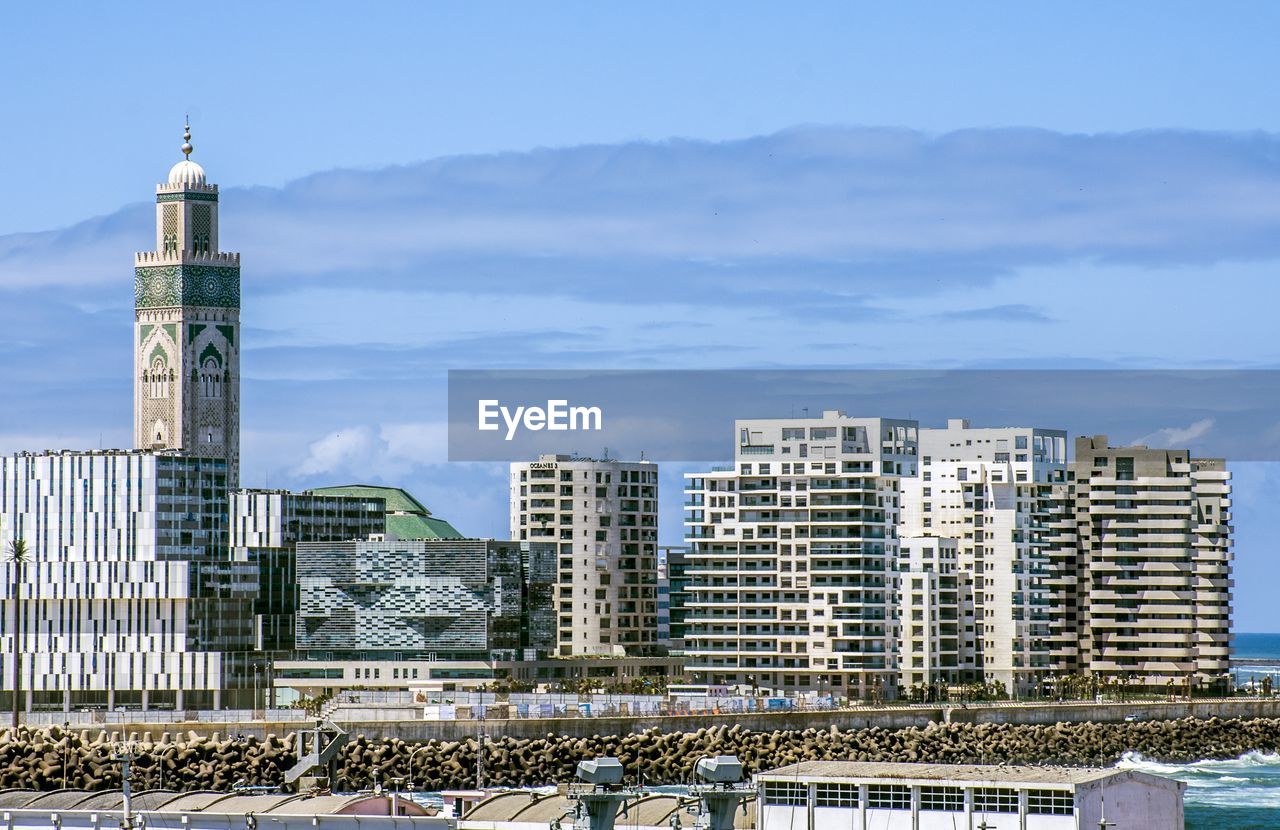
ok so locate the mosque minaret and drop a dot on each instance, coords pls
(187, 326)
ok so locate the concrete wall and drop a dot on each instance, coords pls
(885, 718)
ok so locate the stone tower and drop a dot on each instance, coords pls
(186, 332)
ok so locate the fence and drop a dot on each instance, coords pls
(100, 717)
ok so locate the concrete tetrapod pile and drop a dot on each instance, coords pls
(45, 759)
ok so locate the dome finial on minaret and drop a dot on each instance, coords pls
(186, 139)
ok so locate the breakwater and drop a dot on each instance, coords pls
(51, 759)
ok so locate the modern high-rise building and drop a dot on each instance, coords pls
(186, 350)
(603, 517)
(129, 596)
(792, 556)
(673, 596)
(266, 527)
(936, 611)
(992, 492)
(1153, 537)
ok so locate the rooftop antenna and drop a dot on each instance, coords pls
(1103, 824)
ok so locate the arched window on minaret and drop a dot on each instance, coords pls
(159, 385)
(211, 379)
(170, 230)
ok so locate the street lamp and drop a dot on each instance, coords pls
(410, 773)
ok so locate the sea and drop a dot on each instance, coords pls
(1239, 793)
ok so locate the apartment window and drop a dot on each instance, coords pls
(786, 794)
(889, 797)
(1020, 442)
(1050, 802)
(995, 800)
(947, 799)
(836, 795)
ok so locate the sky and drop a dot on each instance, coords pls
(423, 186)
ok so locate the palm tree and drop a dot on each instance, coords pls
(18, 556)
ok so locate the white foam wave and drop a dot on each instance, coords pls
(1253, 779)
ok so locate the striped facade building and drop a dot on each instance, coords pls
(129, 596)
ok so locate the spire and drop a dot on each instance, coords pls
(186, 139)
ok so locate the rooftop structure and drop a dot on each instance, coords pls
(407, 518)
(813, 795)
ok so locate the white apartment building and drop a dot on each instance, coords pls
(129, 596)
(992, 491)
(935, 608)
(792, 586)
(603, 517)
(1153, 535)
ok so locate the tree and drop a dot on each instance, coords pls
(18, 556)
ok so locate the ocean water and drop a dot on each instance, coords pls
(1238, 794)
(1262, 647)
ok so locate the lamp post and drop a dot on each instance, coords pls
(410, 772)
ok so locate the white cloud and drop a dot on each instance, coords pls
(1174, 437)
(386, 452)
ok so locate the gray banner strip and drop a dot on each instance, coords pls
(688, 415)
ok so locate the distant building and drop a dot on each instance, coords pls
(400, 600)
(330, 676)
(673, 597)
(793, 551)
(816, 795)
(602, 515)
(130, 596)
(186, 356)
(936, 609)
(991, 490)
(1153, 576)
(266, 527)
(407, 518)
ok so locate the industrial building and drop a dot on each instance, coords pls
(818, 795)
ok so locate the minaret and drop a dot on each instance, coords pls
(186, 334)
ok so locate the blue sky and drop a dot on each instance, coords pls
(418, 187)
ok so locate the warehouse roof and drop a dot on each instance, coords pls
(941, 772)
(203, 801)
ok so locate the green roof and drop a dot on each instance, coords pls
(407, 518)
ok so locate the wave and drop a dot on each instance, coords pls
(1252, 780)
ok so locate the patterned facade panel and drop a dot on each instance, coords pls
(168, 286)
(455, 597)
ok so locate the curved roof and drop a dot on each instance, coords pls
(18, 798)
(653, 810)
(59, 799)
(407, 518)
(501, 807)
(194, 801)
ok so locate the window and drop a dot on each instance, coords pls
(1050, 802)
(836, 795)
(995, 800)
(159, 381)
(211, 377)
(786, 794)
(889, 797)
(949, 799)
